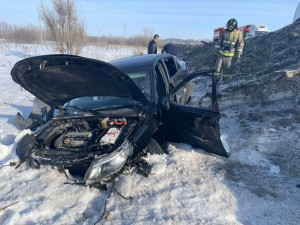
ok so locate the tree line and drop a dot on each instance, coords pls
(31, 34)
(62, 28)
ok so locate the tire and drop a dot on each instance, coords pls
(154, 148)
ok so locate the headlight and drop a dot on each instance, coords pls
(108, 165)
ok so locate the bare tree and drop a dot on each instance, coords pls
(19, 34)
(63, 23)
(141, 39)
(148, 33)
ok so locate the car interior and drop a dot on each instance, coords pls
(141, 78)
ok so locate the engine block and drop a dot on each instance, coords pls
(74, 139)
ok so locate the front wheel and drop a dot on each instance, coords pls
(154, 148)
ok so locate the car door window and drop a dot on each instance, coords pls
(177, 64)
(162, 83)
(165, 71)
(171, 66)
(198, 92)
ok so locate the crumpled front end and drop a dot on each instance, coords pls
(95, 148)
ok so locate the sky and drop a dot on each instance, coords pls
(185, 19)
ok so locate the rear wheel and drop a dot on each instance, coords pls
(154, 148)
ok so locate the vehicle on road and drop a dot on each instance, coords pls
(255, 30)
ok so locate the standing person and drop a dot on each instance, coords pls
(170, 48)
(152, 48)
(246, 32)
(230, 42)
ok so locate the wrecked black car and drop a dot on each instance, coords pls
(109, 113)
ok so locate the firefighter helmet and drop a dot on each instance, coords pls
(232, 22)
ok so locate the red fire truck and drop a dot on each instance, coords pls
(217, 33)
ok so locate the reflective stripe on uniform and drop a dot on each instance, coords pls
(217, 46)
(226, 75)
(217, 74)
(229, 42)
(239, 49)
(226, 53)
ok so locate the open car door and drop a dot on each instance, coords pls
(194, 115)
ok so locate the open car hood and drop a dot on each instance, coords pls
(57, 79)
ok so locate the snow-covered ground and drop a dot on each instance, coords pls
(188, 186)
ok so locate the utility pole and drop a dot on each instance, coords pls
(41, 32)
(124, 30)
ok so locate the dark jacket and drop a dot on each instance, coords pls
(170, 49)
(152, 49)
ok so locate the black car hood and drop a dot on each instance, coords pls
(56, 79)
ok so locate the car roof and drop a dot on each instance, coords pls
(138, 62)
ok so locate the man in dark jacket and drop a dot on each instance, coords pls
(170, 48)
(152, 49)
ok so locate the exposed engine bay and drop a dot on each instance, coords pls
(83, 134)
(70, 140)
